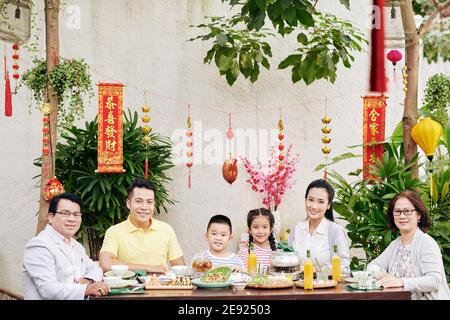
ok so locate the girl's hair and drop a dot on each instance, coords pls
(323, 184)
(265, 213)
(419, 206)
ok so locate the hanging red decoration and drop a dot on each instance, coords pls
(8, 96)
(53, 188)
(189, 144)
(229, 168)
(394, 56)
(45, 109)
(377, 70)
(280, 143)
(15, 57)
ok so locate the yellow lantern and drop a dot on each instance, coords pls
(426, 134)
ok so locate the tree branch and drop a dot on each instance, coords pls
(440, 9)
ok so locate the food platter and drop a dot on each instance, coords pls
(166, 287)
(129, 274)
(270, 282)
(318, 284)
(213, 285)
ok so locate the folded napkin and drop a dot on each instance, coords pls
(283, 246)
(140, 273)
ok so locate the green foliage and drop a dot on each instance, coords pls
(235, 51)
(104, 194)
(436, 42)
(437, 98)
(322, 48)
(437, 199)
(363, 204)
(324, 40)
(70, 81)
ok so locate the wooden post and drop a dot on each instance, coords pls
(52, 53)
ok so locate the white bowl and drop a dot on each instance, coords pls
(180, 271)
(119, 269)
(238, 286)
(112, 281)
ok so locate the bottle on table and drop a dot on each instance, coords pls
(252, 260)
(308, 272)
(336, 265)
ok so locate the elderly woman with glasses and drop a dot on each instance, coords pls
(413, 260)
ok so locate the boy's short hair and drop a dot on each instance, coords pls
(220, 218)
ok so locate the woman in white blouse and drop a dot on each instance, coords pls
(413, 260)
(319, 233)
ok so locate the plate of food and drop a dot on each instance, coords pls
(211, 285)
(374, 286)
(180, 283)
(127, 275)
(215, 278)
(317, 284)
(270, 282)
(122, 284)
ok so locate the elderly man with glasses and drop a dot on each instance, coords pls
(55, 265)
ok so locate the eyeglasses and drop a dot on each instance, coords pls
(406, 212)
(66, 214)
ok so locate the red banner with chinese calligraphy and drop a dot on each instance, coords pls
(110, 143)
(373, 126)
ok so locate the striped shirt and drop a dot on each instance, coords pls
(263, 256)
(230, 261)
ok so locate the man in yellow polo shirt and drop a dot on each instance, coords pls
(141, 242)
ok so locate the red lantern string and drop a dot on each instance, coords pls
(280, 143)
(15, 65)
(46, 145)
(189, 145)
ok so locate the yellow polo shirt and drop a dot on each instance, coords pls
(156, 246)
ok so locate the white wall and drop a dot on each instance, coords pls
(143, 44)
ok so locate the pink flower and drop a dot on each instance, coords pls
(269, 180)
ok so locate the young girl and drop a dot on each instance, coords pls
(260, 223)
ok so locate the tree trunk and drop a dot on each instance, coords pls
(412, 64)
(52, 53)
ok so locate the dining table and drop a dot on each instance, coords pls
(340, 292)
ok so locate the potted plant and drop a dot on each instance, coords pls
(104, 194)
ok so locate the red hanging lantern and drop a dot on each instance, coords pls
(394, 56)
(229, 167)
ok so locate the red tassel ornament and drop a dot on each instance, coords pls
(377, 71)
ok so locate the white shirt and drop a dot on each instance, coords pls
(317, 243)
(70, 246)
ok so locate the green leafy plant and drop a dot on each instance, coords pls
(70, 82)
(104, 194)
(324, 40)
(235, 51)
(437, 98)
(363, 204)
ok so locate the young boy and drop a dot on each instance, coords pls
(218, 234)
